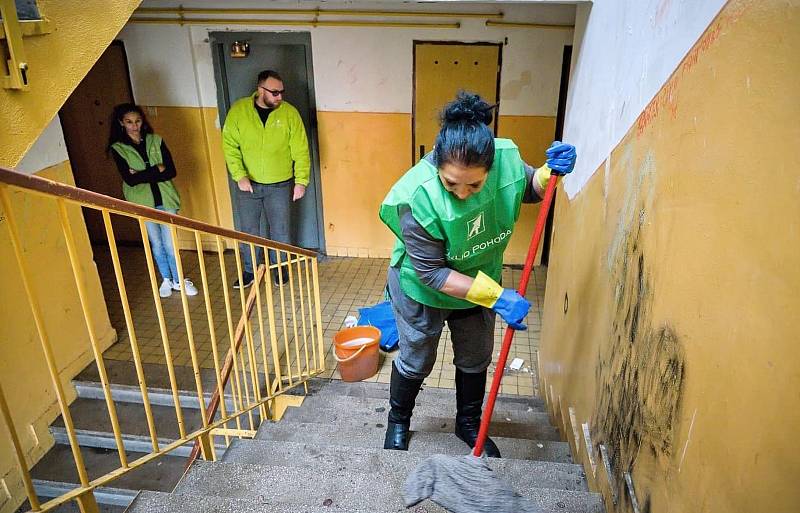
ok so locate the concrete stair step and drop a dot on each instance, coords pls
(92, 415)
(425, 404)
(159, 502)
(517, 473)
(421, 442)
(58, 466)
(132, 443)
(427, 394)
(341, 488)
(511, 424)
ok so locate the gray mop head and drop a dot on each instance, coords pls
(463, 484)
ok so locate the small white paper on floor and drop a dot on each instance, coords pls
(516, 363)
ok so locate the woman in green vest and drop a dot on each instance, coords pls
(147, 170)
(453, 214)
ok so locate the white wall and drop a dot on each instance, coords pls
(48, 150)
(625, 50)
(357, 69)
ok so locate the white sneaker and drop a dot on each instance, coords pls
(165, 290)
(191, 290)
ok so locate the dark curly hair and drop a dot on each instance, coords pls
(465, 138)
(118, 133)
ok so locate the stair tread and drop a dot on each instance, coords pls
(425, 442)
(58, 465)
(431, 394)
(342, 488)
(160, 502)
(427, 405)
(513, 424)
(518, 473)
(92, 415)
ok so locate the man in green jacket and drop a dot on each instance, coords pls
(266, 150)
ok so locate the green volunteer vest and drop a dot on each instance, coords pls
(475, 231)
(141, 194)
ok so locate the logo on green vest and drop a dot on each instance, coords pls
(475, 226)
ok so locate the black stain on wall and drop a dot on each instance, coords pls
(640, 374)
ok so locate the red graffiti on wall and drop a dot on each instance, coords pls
(667, 98)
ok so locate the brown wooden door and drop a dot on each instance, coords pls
(440, 71)
(85, 118)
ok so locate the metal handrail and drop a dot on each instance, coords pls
(211, 411)
(303, 281)
(40, 185)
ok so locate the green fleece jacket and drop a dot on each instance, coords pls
(266, 153)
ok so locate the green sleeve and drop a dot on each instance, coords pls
(231, 147)
(298, 146)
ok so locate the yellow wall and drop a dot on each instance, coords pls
(533, 135)
(362, 154)
(196, 147)
(23, 374)
(57, 63)
(679, 260)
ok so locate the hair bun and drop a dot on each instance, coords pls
(467, 108)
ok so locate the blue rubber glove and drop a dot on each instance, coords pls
(561, 157)
(512, 308)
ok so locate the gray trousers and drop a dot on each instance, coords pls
(275, 200)
(420, 328)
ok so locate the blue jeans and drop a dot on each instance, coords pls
(161, 245)
(275, 200)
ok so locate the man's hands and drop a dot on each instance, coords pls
(245, 185)
(299, 192)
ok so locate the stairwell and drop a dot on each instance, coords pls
(327, 454)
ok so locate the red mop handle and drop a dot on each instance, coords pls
(509, 335)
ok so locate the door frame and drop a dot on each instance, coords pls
(69, 142)
(219, 42)
(563, 89)
(417, 42)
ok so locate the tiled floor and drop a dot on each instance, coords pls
(345, 285)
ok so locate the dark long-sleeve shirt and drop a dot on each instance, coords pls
(150, 174)
(427, 254)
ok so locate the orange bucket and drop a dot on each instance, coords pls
(356, 350)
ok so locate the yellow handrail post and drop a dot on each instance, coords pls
(187, 319)
(318, 320)
(126, 309)
(211, 330)
(283, 320)
(43, 338)
(162, 325)
(80, 283)
(294, 316)
(247, 332)
(276, 364)
(303, 318)
(236, 390)
(87, 503)
(18, 455)
(260, 311)
(311, 312)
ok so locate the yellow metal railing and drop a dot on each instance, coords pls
(261, 362)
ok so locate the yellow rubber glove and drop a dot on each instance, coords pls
(508, 303)
(542, 175)
(484, 291)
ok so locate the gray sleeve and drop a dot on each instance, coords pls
(427, 254)
(530, 195)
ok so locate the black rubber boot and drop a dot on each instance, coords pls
(470, 389)
(402, 394)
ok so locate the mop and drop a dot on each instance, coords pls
(467, 484)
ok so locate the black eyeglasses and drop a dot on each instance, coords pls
(273, 92)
